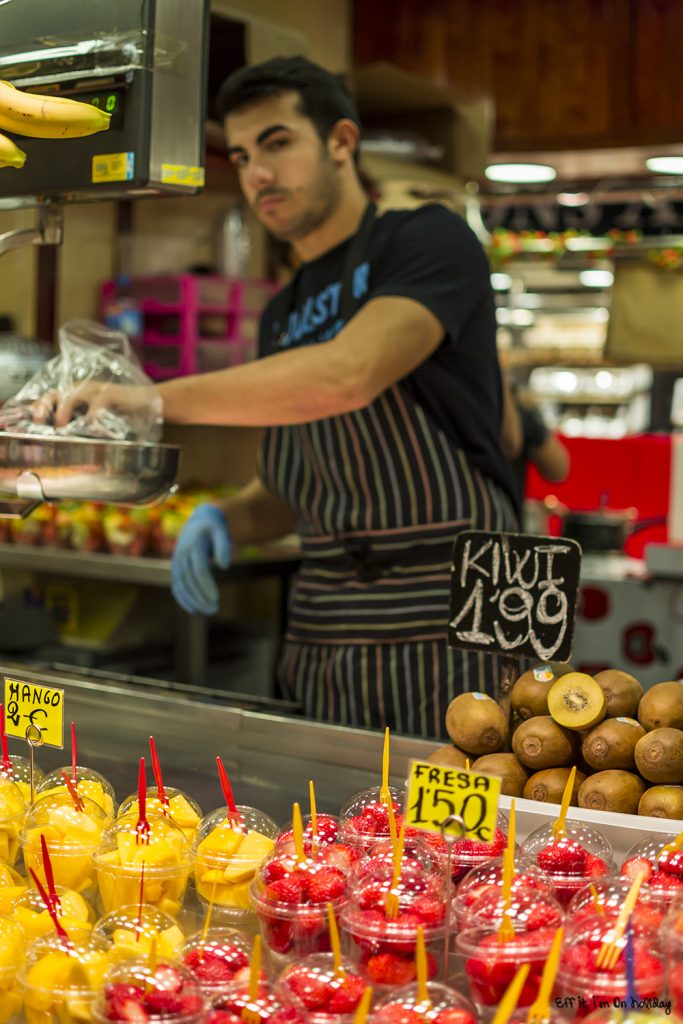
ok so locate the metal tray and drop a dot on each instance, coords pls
(34, 469)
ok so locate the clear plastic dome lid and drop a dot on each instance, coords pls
(73, 912)
(12, 942)
(581, 852)
(89, 783)
(180, 808)
(131, 931)
(163, 990)
(421, 901)
(61, 967)
(446, 1006)
(606, 896)
(327, 828)
(268, 1007)
(418, 853)
(222, 837)
(288, 883)
(530, 910)
(12, 803)
(124, 844)
(19, 771)
(581, 947)
(483, 944)
(663, 869)
(64, 825)
(218, 959)
(470, 852)
(366, 816)
(320, 989)
(487, 879)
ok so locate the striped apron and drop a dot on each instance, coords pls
(380, 494)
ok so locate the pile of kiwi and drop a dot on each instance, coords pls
(626, 744)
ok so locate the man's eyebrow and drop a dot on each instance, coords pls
(262, 137)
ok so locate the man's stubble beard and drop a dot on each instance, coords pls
(325, 196)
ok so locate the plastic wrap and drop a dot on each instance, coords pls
(98, 377)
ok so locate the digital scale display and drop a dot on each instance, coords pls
(111, 102)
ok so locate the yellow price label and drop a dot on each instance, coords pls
(27, 704)
(436, 793)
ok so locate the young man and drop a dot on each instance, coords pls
(380, 389)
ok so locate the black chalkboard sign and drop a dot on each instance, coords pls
(514, 594)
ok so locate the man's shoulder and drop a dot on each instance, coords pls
(427, 217)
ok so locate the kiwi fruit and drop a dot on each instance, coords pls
(476, 724)
(529, 695)
(612, 744)
(541, 743)
(576, 701)
(612, 791)
(548, 786)
(448, 755)
(661, 707)
(622, 693)
(659, 756)
(662, 802)
(508, 769)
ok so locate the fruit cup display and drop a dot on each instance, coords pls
(59, 980)
(486, 880)
(384, 945)
(12, 816)
(149, 865)
(35, 921)
(365, 818)
(12, 942)
(290, 895)
(663, 869)
(89, 783)
(138, 991)
(218, 959)
(325, 993)
(229, 848)
(133, 931)
(182, 810)
(577, 857)
(599, 985)
(444, 1006)
(72, 830)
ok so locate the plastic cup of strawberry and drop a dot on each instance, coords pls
(663, 870)
(606, 900)
(418, 854)
(291, 896)
(218, 959)
(365, 818)
(529, 910)
(137, 992)
(579, 972)
(580, 856)
(324, 995)
(327, 828)
(383, 946)
(446, 1006)
(491, 964)
(469, 853)
(487, 879)
(227, 1007)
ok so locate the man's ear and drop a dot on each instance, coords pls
(343, 141)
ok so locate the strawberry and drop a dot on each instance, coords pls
(222, 1017)
(663, 880)
(124, 1002)
(309, 988)
(430, 910)
(345, 999)
(274, 870)
(389, 969)
(543, 915)
(671, 862)
(128, 1010)
(563, 857)
(215, 965)
(168, 978)
(397, 1013)
(453, 1015)
(326, 885)
(163, 1004)
(290, 889)
(635, 866)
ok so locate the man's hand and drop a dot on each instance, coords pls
(90, 398)
(204, 539)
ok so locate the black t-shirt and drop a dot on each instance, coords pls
(429, 255)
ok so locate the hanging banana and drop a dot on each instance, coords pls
(48, 117)
(10, 155)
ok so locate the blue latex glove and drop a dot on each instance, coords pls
(205, 538)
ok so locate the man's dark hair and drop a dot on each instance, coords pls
(324, 97)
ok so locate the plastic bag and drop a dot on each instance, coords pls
(89, 354)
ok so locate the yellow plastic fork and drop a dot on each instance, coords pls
(609, 951)
(506, 931)
(508, 1003)
(391, 898)
(250, 1014)
(539, 1011)
(363, 1008)
(671, 847)
(558, 828)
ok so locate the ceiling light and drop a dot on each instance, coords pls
(665, 164)
(500, 282)
(596, 278)
(573, 199)
(520, 174)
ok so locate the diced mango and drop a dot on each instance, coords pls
(10, 1004)
(255, 846)
(224, 841)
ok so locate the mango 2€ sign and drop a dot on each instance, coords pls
(27, 704)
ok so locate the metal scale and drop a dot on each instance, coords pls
(143, 61)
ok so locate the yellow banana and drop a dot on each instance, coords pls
(10, 155)
(48, 117)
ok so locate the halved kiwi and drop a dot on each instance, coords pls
(661, 707)
(541, 743)
(612, 744)
(576, 701)
(659, 756)
(508, 769)
(612, 791)
(448, 755)
(622, 693)
(476, 724)
(548, 786)
(662, 802)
